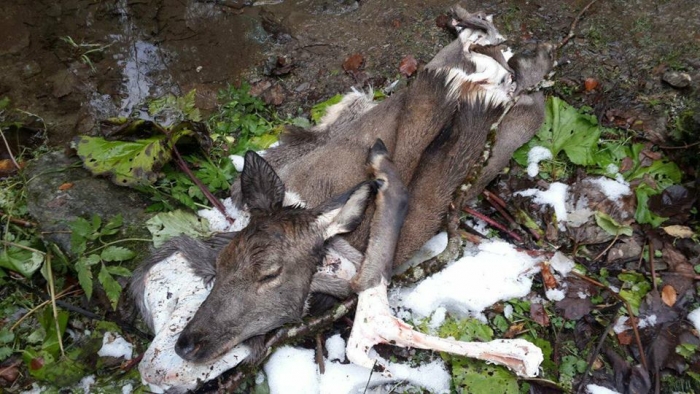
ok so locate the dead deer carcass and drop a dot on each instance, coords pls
(438, 133)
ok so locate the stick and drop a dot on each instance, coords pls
(9, 151)
(573, 25)
(23, 223)
(595, 353)
(492, 223)
(319, 354)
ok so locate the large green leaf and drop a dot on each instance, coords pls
(127, 163)
(569, 130)
(170, 224)
(20, 260)
(110, 285)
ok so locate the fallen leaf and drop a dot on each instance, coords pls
(514, 330)
(442, 21)
(625, 337)
(626, 165)
(353, 63)
(408, 66)
(678, 231)
(550, 282)
(590, 84)
(65, 186)
(574, 308)
(668, 295)
(538, 314)
(9, 374)
(36, 363)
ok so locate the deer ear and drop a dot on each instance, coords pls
(344, 213)
(262, 189)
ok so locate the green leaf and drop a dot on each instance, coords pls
(113, 225)
(611, 226)
(81, 229)
(476, 377)
(567, 129)
(635, 288)
(319, 110)
(466, 330)
(5, 352)
(164, 226)
(111, 286)
(6, 336)
(119, 271)
(85, 273)
(117, 253)
(128, 163)
(20, 260)
(4, 103)
(47, 321)
(643, 215)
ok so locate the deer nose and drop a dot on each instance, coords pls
(186, 347)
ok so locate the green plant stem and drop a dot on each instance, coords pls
(116, 242)
(16, 245)
(52, 293)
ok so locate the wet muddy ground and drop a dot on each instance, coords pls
(75, 62)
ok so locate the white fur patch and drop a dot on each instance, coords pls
(496, 82)
(292, 198)
(356, 102)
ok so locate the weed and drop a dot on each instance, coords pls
(84, 50)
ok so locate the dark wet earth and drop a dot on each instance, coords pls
(75, 62)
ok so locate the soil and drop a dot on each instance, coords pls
(124, 52)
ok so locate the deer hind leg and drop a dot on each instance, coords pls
(374, 322)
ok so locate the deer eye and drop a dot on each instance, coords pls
(270, 275)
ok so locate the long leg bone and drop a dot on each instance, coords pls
(374, 322)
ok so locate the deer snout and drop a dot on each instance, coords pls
(188, 347)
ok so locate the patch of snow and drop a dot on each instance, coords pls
(555, 294)
(238, 162)
(113, 345)
(36, 389)
(438, 318)
(555, 197)
(287, 365)
(578, 212)
(217, 221)
(621, 325)
(612, 189)
(649, 321)
(534, 157)
(467, 286)
(296, 365)
(582, 295)
(508, 311)
(86, 382)
(478, 225)
(259, 378)
(128, 388)
(614, 289)
(612, 169)
(561, 263)
(694, 318)
(595, 389)
(335, 346)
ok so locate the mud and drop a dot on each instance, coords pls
(75, 62)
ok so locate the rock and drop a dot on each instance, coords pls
(63, 83)
(274, 96)
(677, 79)
(53, 208)
(624, 250)
(30, 69)
(304, 86)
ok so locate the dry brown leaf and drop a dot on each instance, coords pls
(353, 63)
(65, 186)
(408, 66)
(550, 282)
(539, 314)
(514, 330)
(678, 231)
(668, 295)
(625, 337)
(590, 84)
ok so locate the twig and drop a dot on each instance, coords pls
(608, 248)
(52, 294)
(369, 378)
(64, 293)
(629, 311)
(9, 151)
(495, 197)
(205, 190)
(651, 264)
(500, 209)
(23, 223)
(595, 353)
(680, 147)
(319, 354)
(492, 223)
(573, 25)
(20, 246)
